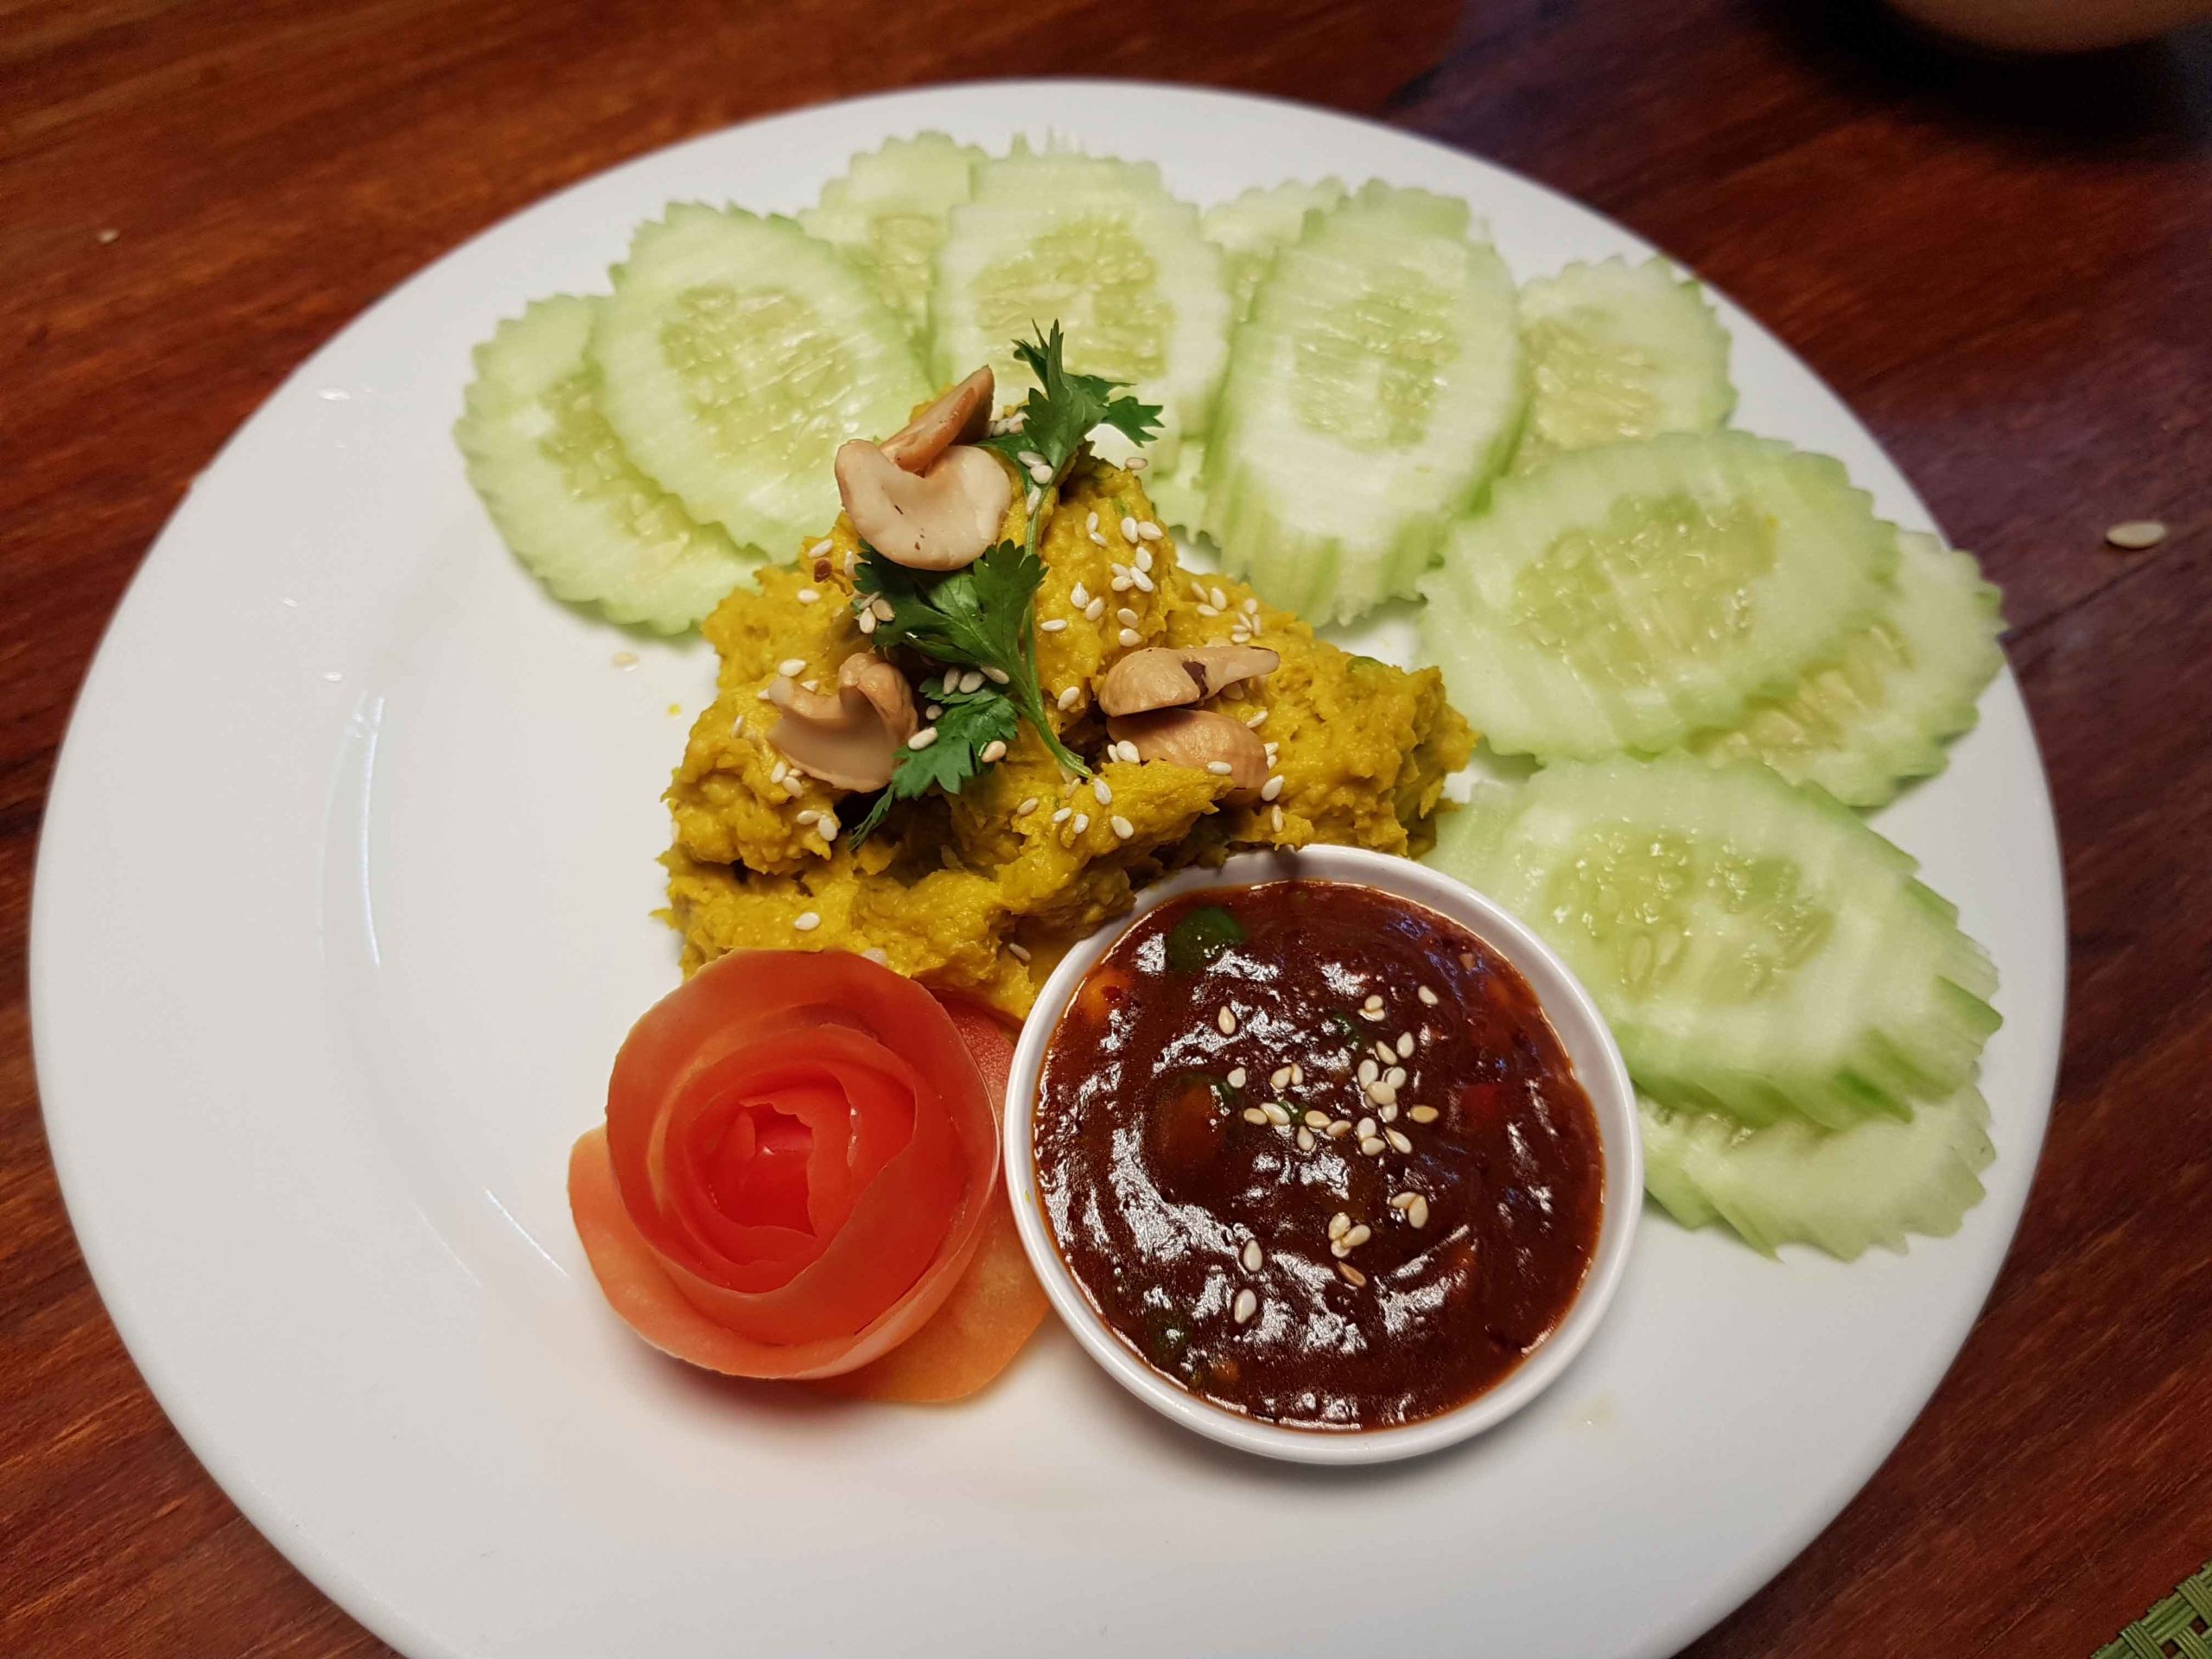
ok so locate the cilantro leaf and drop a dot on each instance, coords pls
(1064, 408)
(977, 617)
(971, 722)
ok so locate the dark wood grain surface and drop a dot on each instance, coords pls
(2006, 268)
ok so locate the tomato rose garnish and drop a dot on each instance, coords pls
(799, 1159)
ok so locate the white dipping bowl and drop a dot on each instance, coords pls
(1582, 1033)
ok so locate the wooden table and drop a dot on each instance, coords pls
(2006, 268)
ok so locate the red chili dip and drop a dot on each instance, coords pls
(1315, 1154)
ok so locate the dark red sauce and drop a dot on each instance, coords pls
(1218, 1227)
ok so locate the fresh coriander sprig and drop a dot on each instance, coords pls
(969, 723)
(1062, 411)
(973, 618)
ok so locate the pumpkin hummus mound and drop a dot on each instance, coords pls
(982, 891)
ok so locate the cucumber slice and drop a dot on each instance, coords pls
(1378, 384)
(736, 355)
(1099, 246)
(1757, 949)
(1841, 1190)
(1249, 229)
(1900, 688)
(1619, 351)
(1626, 596)
(888, 215)
(1178, 495)
(582, 518)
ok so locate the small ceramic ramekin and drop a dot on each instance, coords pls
(1581, 1030)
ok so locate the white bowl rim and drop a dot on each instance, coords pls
(1581, 1028)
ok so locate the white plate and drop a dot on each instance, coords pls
(342, 909)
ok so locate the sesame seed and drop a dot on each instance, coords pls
(1019, 952)
(819, 549)
(1390, 1113)
(1130, 637)
(1141, 582)
(1372, 1145)
(1237, 1076)
(1122, 828)
(1256, 719)
(1427, 996)
(972, 680)
(1358, 1236)
(1277, 819)
(1207, 610)
(1226, 1021)
(923, 739)
(1373, 1000)
(1339, 1225)
(1030, 500)
(1238, 637)
(1253, 1114)
(1368, 1073)
(880, 958)
(1144, 558)
(1401, 1200)
(778, 772)
(811, 684)
(1123, 584)
(1090, 520)
(762, 694)
(1340, 1249)
(1054, 625)
(1280, 1078)
(1104, 791)
(1395, 1077)
(1247, 1304)
(1041, 473)
(1338, 1129)
(868, 623)
(1297, 1072)
(806, 921)
(1271, 788)
(1353, 1276)
(993, 750)
(1385, 1053)
(1219, 598)
(791, 666)
(930, 711)
(1278, 1114)
(1421, 1114)
(808, 817)
(1314, 1120)
(1127, 750)
(827, 828)
(1397, 1139)
(1417, 1212)
(1069, 698)
(1027, 806)
(1029, 458)
(1096, 538)
(2136, 535)
(808, 595)
(998, 676)
(1093, 611)
(1150, 531)
(882, 608)
(1305, 1139)
(1126, 617)
(1251, 608)
(1219, 768)
(1128, 527)
(1366, 1127)
(1081, 824)
(1252, 1256)
(1079, 595)
(852, 563)
(1381, 1093)
(1138, 463)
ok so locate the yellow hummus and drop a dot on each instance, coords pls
(984, 890)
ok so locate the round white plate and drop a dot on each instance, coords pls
(342, 908)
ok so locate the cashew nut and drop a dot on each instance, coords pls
(1199, 739)
(943, 519)
(960, 416)
(848, 740)
(1161, 676)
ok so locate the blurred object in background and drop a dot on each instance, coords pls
(2053, 25)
